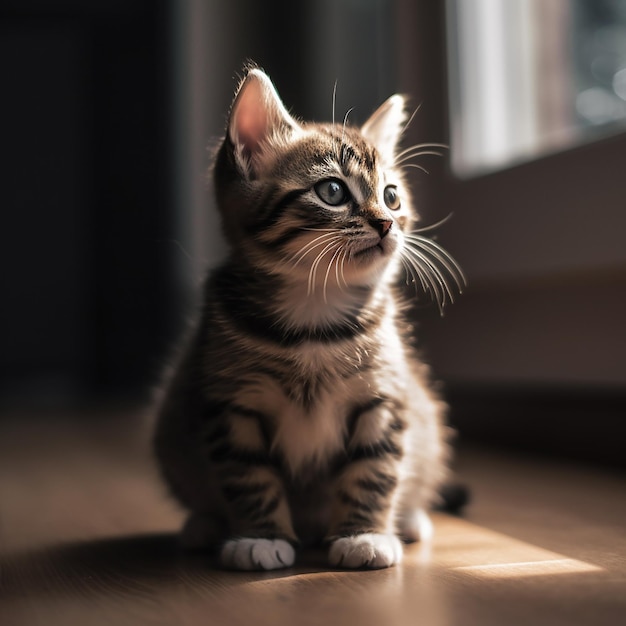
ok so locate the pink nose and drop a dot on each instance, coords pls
(382, 226)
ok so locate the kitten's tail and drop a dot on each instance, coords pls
(453, 498)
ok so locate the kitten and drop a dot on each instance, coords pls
(299, 412)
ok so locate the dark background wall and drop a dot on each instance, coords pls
(84, 127)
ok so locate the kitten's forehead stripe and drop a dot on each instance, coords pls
(358, 162)
(365, 157)
(344, 153)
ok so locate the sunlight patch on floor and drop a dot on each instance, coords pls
(529, 568)
(468, 548)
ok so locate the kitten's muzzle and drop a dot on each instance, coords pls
(382, 226)
(377, 244)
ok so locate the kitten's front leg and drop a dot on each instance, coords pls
(362, 532)
(253, 494)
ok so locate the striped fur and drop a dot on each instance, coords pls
(299, 412)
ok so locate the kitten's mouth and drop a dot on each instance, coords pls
(374, 249)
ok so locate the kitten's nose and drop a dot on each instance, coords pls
(382, 226)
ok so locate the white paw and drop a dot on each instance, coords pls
(257, 554)
(416, 526)
(369, 550)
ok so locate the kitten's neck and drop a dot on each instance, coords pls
(293, 304)
(300, 307)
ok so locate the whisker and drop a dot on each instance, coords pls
(330, 265)
(409, 278)
(435, 266)
(345, 117)
(417, 167)
(420, 273)
(419, 106)
(325, 240)
(334, 100)
(298, 256)
(440, 251)
(425, 229)
(421, 146)
(428, 282)
(434, 274)
(439, 274)
(337, 265)
(315, 265)
(430, 279)
(412, 155)
(345, 121)
(441, 255)
(344, 256)
(455, 275)
(339, 269)
(413, 272)
(304, 252)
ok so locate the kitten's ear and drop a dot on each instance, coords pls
(386, 125)
(257, 115)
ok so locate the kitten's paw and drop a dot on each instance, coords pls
(369, 550)
(257, 554)
(415, 526)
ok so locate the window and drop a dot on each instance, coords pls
(529, 77)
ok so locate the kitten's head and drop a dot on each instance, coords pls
(324, 203)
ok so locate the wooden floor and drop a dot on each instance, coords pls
(87, 537)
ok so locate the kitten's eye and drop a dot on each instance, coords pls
(392, 199)
(332, 192)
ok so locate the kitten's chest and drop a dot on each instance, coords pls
(309, 439)
(305, 431)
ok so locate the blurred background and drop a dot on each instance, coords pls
(108, 110)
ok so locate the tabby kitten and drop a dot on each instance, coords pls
(299, 412)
